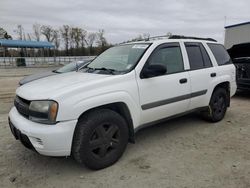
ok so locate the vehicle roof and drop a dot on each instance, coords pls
(160, 41)
(172, 38)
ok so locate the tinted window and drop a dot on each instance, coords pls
(220, 54)
(206, 59)
(194, 56)
(197, 55)
(170, 57)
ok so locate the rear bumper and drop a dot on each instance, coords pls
(233, 88)
(51, 140)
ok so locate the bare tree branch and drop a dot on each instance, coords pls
(56, 36)
(20, 32)
(47, 31)
(37, 31)
(65, 33)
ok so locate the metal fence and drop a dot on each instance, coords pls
(42, 61)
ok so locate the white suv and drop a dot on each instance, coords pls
(92, 114)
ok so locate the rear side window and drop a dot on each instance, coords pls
(197, 55)
(220, 54)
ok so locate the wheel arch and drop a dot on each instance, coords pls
(122, 109)
(225, 85)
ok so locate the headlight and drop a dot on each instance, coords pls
(43, 111)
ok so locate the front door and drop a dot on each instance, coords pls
(165, 95)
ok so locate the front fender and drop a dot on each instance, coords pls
(79, 107)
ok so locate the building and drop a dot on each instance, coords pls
(237, 34)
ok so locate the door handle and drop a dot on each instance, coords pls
(213, 74)
(183, 81)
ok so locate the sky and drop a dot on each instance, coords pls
(126, 19)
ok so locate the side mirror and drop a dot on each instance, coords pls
(153, 70)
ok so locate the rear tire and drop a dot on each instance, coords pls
(100, 139)
(217, 106)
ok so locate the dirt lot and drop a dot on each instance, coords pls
(185, 152)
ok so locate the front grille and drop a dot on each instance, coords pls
(22, 106)
(243, 71)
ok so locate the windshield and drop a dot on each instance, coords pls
(119, 59)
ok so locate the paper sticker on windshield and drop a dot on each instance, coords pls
(140, 46)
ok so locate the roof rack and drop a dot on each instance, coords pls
(149, 38)
(188, 37)
(170, 36)
(158, 37)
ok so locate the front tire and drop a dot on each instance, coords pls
(100, 139)
(217, 106)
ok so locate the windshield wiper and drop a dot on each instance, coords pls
(55, 71)
(106, 69)
(110, 71)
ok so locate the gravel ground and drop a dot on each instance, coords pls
(185, 152)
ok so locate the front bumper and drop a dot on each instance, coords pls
(51, 140)
(20, 136)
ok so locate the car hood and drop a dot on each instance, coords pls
(53, 86)
(37, 76)
(239, 50)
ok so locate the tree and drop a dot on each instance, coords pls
(90, 41)
(37, 31)
(4, 34)
(65, 33)
(20, 32)
(145, 36)
(67, 40)
(29, 36)
(56, 36)
(83, 35)
(77, 36)
(48, 32)
(71, 39)
(101, 40)
(7, 36)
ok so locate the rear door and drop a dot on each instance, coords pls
(201, 73)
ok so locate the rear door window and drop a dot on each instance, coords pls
(197, 55)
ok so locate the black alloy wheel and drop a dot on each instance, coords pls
(100, 138)
(104, 140)
(217, 106)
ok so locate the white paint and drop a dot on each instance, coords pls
(77, 92)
